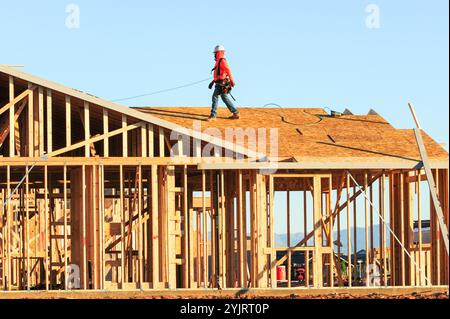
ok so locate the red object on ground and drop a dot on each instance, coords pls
(281, 273)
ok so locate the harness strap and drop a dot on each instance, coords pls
(218, 67)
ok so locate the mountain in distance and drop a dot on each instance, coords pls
(281, 239)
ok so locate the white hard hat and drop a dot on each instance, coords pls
(219, 48)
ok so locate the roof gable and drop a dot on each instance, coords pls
(126, 110)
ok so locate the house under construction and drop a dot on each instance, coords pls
(94, 195)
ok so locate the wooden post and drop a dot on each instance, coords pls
(129, 234)
(151, 142)
(155, 222)
(198, 250)
(231, 276)
(288, 234)
(244, 226)
(161, 141)
(222, 229)
(102, 226)
(170, 226)
(392, 225)
(214, 272)
(273, 253)
(186, 232)
(366, 228)
(443, 193)
(143, 141)
(355, 234)
(124, 137)
(27, 225)
(402, 228)
(8, 229)
(139, 229)
(253, 230)
(92, 222)
(331, 239)
(36, 124)
(11, 118)
(68, 122)
(349, 248)
(40, 121)
(241, 231)
(305, 230)
(262, 244)
(317, 257)
(383, 227)
(30, 114)
(105, 131)
(409, 242)
(163, 223)
(83, 228)
(4, 239)
(49, 121)
(371, 255)
(122, 229)
(338, 226)
(419, 220)
(193, 274)
(46, 228)
(436, 230)
(205, 229)
(65, 242)
(87, 134)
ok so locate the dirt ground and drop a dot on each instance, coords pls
(376, 296)
(249, 295)
(329, 296)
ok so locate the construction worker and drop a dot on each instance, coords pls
(223, 80)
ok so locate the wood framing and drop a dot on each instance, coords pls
(98, 196)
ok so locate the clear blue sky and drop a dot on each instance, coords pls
(293, 53)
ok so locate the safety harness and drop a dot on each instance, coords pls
(225, 84)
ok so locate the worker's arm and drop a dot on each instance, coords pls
(227, 70)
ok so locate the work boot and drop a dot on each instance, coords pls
(235, 116)
(211, 118)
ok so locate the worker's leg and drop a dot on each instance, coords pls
(215, 101)
(226, 99)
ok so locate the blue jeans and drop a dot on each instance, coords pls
(225, 98)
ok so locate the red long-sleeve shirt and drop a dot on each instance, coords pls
(222, 71)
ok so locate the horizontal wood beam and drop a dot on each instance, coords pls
(324, 163)
(413, 179)
(76, 161)
(70, 160)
